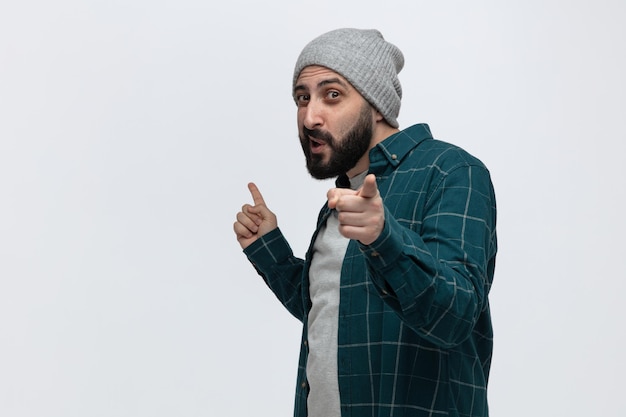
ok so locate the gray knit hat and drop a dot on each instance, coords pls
(366, 60)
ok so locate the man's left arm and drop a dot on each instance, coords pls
(438, 280)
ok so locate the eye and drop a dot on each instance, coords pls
(302, 99)
(332, 94)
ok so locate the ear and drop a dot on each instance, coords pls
(378, 116)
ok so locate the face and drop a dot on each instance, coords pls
(335, 123)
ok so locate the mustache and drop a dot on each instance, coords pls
(318, 134)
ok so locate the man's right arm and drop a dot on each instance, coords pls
(273, 259)
(263, 243)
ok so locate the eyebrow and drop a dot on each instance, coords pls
(322, 83)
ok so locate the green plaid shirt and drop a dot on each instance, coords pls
(415, 336)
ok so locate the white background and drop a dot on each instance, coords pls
(128, 132)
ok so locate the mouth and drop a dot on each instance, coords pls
(316, 145)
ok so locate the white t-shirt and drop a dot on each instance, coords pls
(329, 250)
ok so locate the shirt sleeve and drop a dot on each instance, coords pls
(437, 279)
(273, 259)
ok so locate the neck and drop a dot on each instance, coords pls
(381, 132)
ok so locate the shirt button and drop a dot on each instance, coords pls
(375, 254)
(394, 156)
(303, 384)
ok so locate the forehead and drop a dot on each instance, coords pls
(315, 75)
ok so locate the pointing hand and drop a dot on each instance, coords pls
(361, 213)
(253, 221)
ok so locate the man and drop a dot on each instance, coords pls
(393, 291)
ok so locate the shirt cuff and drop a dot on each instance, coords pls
(268, 250)
(385, 250)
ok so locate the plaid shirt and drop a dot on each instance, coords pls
(415, 336)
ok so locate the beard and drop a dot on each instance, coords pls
(345, 153)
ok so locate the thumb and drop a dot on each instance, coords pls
(261, 211)
(369, 188)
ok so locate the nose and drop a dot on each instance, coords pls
(312, 115)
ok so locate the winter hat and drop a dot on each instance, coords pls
(366, 60)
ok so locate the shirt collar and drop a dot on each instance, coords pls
(393, 149)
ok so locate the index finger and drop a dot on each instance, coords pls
(334, 194)
(256, 194)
